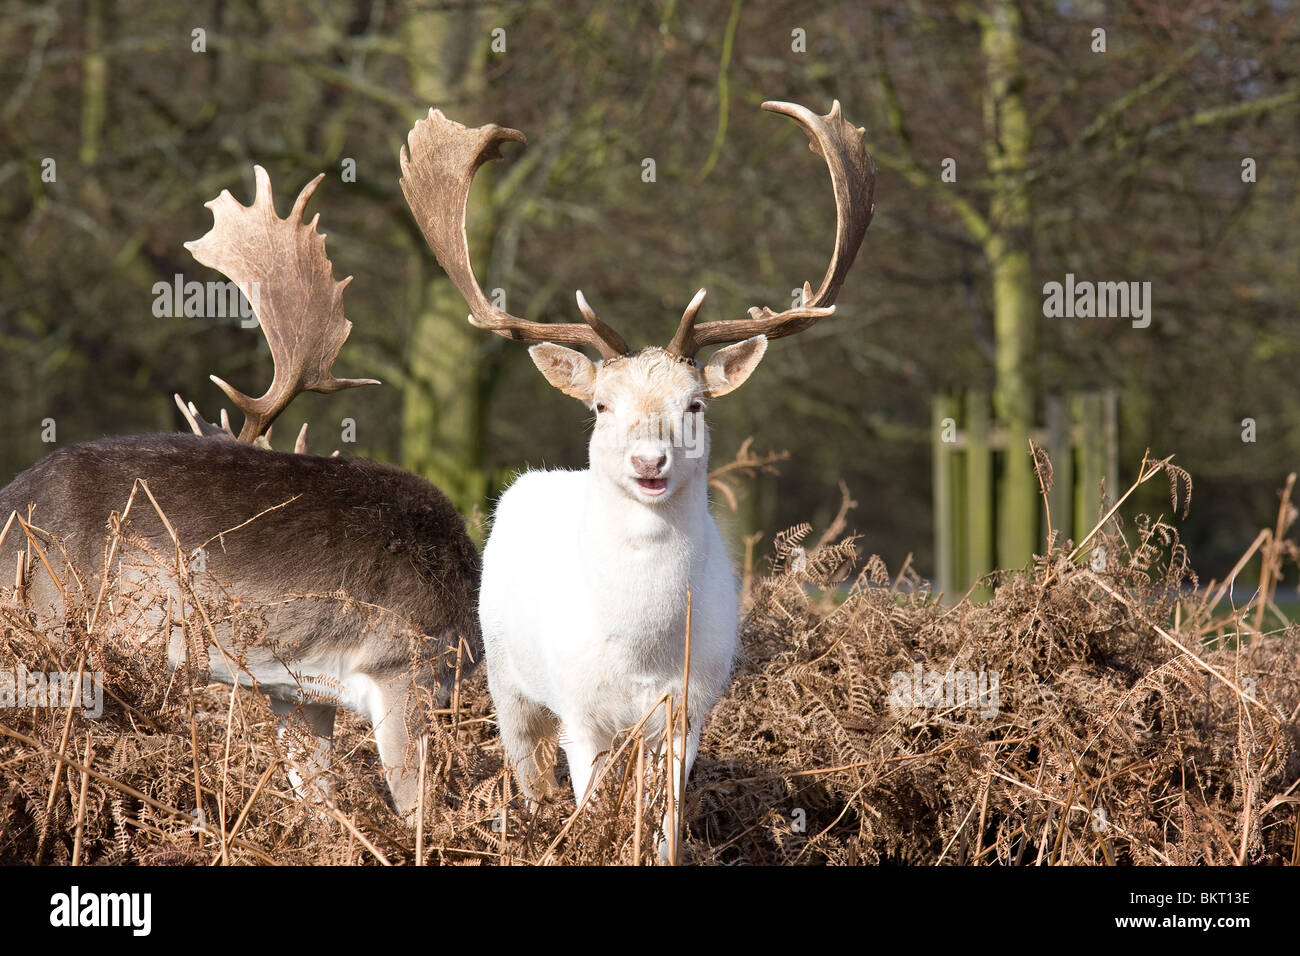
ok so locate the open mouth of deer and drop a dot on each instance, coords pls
(652, 486)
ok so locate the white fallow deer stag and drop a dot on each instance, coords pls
(364, 574)
(584, 599)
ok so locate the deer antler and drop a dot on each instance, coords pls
(281, 267)
(853, 178)
(199, 425)
(438, 166)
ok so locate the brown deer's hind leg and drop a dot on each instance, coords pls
(309, 752)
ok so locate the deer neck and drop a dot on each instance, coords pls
(617, 528)
(639, 562)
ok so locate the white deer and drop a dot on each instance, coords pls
(586, 576)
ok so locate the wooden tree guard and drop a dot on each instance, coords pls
(1080, 435)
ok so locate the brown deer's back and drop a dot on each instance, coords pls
(269, 522)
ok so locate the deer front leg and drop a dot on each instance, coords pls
(528, 732)
(309, 753)
(394, 714)
(671, 835)
(585, 750)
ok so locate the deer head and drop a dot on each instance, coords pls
(281, 267)
(649, 438)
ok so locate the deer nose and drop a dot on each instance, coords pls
(648, 467)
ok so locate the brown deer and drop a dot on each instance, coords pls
(363, 574)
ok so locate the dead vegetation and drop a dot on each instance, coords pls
(1101, 709)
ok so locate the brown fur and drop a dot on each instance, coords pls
(357, 528)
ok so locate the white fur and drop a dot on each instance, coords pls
(585, 579)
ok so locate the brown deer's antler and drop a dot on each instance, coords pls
(438, 166)
(853, 178)
(199, 425)
(281, 267)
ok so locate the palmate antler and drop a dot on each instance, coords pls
(439, 168)
(281, 267)
(853, 178)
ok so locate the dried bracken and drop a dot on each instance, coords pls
(1099, 710)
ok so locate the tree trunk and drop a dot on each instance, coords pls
(443, 420)
(1014, 303)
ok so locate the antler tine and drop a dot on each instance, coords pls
(438, 166)
(853, 179)
(686, 330)
(607, 340)
(281, 267)
(200, 426)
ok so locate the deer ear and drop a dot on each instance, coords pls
(728, 369)
(568, 370)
